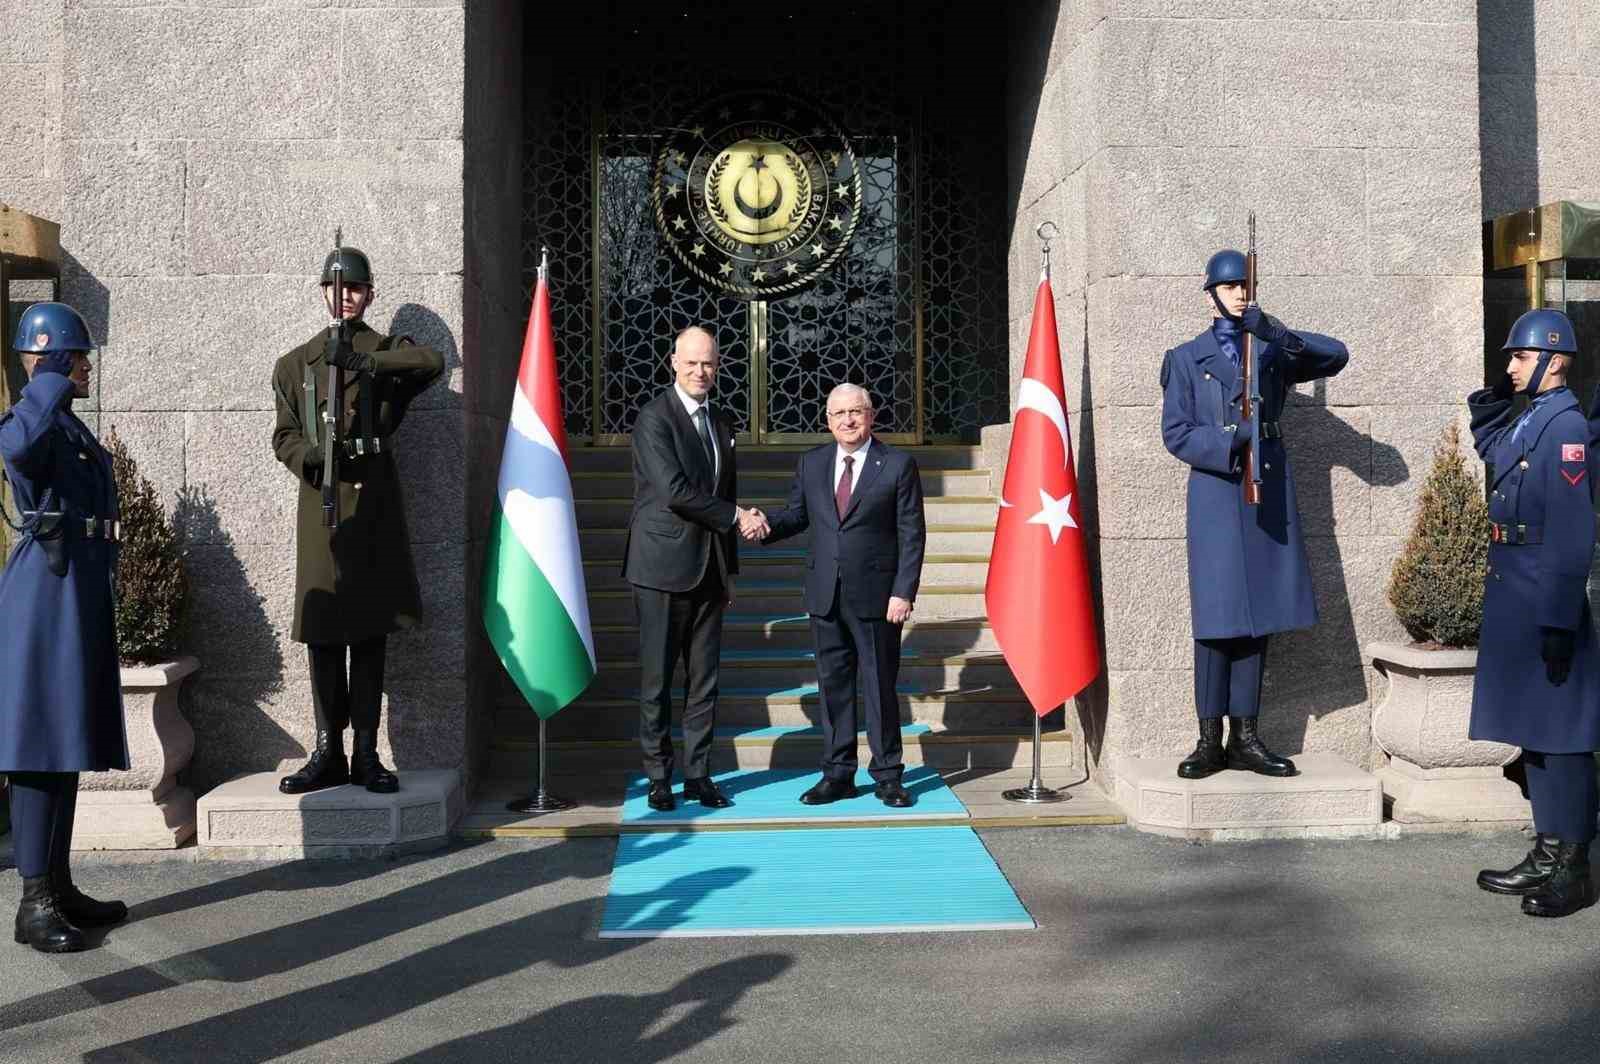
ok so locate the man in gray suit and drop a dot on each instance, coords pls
(681, 557)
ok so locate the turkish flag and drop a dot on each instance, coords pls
(1038, 590)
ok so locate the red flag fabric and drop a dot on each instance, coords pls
(1038, 594)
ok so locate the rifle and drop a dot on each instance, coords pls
(335, 404)
(1250, 399)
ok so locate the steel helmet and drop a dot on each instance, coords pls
(1543, 330)
(1225, 267)
(46, 327)
(354, 265)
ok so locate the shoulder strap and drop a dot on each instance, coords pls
(308, 406)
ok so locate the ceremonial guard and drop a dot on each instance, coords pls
(1538, 679)
(1248, 573)
(354, 578)
(60, 699)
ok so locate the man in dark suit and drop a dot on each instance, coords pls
(681, 556)
(862, 500)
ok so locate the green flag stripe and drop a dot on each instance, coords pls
(530, 627)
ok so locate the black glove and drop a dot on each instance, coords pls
(1262, 326)
(348, 359)
(1555, 647)
(1241, 435)
(55, 362)
(1503, 388)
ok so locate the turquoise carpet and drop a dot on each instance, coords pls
(825, 881)
(773, 796)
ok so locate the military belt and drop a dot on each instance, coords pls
(356, 446)
(104, 528)
(1270, 430)
(1515, 535)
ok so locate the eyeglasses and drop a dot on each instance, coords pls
(854, 411)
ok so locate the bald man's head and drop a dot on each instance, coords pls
(694, 362)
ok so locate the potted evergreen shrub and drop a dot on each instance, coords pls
(144, 808)
(1434, 771)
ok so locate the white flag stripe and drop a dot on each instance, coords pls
(536, 498)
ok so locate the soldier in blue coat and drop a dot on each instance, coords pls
(1248, 573)
(60, 700)
(1538, 678)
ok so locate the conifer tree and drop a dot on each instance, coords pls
(152, 589)
(1436, 586)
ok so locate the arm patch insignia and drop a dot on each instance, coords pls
(1572, 452)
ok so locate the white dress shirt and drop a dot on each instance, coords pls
(860, 456)
(693, 406)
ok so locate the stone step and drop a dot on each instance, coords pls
(939, 510)
(938, 603)
(516, 757)
(779, 457)
(614, 714)
(741, 630)
(943, 538)
(1328, 794)
(618, 484)
(769, 566)
(782, 667)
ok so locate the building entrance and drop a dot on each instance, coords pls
(825, 190)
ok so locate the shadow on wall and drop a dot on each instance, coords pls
(1092, 703)
(241, 659)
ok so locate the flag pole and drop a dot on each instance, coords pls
(1036, 793)
(542, 800)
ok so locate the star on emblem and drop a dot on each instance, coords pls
(1054, 513)
(698, 250)
(841, 189)
(679, 224)
(673, 188)
(699, 131)
(837, 224)
(758, 275)
(818, 250)
(725, 269)
(679, 158)
(833, 159)
(791, 269)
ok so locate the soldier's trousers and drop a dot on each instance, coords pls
(351, 698)
(43, 807)
(1562, 790)
(1227, 676)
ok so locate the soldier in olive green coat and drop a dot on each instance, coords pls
(354, 584)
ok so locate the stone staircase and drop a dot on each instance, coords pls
(962, 708)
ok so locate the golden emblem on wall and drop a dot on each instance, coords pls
(758, 194)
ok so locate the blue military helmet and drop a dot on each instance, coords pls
(1543, 330)
(46, 327)
(1225, 267)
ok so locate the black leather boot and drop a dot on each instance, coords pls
(365, 768)
(1247, 751)
(40, 922)
(1569, 888)
(1527, 876)
(1208, 756)
(326, 767)
(78, 907)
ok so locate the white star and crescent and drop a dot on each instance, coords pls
(1054, 513)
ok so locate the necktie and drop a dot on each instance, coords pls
(841, 493)
(1229, 343)
(704, 420)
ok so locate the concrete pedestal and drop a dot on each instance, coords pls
(1424, 795)
(1328, 793)
(248, 818)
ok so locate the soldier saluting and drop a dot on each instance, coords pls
(355, 581)
(1248, 573)
(1538, 679)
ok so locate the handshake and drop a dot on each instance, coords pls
(753, 525)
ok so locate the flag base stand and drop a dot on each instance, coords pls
(1035, 793)
(541, 800)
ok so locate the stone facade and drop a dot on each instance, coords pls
(199, 155)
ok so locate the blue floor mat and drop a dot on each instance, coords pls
(811, 882)
(773, 796)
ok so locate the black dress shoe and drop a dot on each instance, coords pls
(79, 908)
(326, 767)
(1247, 751)
(1525, 877)
(828, 790)
(890, 793)
(1208, 757)
(705, 792)
(40, 922)
(365, 768)
(1569, 887)
(660, 797)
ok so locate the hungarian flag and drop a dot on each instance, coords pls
(535, 605)
(1038, 590)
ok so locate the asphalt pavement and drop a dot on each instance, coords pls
(1148, 949)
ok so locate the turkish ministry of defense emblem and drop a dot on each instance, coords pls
(758, 194)
(1554, 338)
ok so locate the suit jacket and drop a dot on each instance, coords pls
(683, 515)
(876, 550)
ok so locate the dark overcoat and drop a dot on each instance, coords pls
(60, 696)
(1544, 481)
(684, 514)
(358, 581)
(1248, 573)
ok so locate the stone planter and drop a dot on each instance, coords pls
(1435, 772)
(143, 808)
